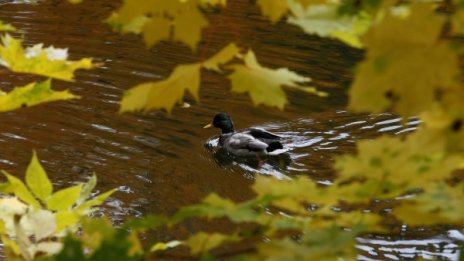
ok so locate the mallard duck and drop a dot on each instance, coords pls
(246, 142)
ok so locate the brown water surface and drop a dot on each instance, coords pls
(161, 162)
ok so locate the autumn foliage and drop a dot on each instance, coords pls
(410, 67)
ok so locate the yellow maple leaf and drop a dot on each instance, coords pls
(166, 93)
(274, 9)
(213, 2)
(263, 84)
(155, 30)
(402, 61)
(188, 25)
(163, 94)
(32, 94)
(158, 20)
(136, 25)
(409, 213)
(223, 56)
(50, 62)
(439, 203)
(396, 160)
(307, 3)
(443, 198)
(325, 20)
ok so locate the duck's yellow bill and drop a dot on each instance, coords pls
(208, 126)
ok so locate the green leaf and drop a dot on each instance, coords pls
(326, 21)
(17, 187)
(49, 62)
(87, 188)
(263, 84)
(37, 179)
(67, 219)
(203, 242)
(147, 222)
(98, 200)
(72, 250)
(64, 199)
(214, 206)
(11, 244)
(32, 94)
(163, 94)
(163, 246)
(2, 227)
(6, 27)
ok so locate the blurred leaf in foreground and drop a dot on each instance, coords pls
(6, 27)
(396, 54)
(326, 21)
(174, 20)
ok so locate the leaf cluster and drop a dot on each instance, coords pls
(405, 70)
(34, 216)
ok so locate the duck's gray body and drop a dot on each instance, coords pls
(250, 142)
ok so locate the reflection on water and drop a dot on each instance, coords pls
(443, 247)
(160, 162)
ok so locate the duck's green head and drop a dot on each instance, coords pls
(223, 122)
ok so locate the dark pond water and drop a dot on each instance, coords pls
(162, 162)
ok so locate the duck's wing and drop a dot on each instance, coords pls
(240, 141)
(262, 134)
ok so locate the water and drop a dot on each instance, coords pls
(161, 162)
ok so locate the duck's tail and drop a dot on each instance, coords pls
(276, 145)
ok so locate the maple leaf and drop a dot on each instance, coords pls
(274, 9)
(158, 20)
(263, 84)
(326, 21)
(155, 30)
(213, 2)
(50, 62)
(166, 93)
(438, 204)
(188, 24)
(395, 160)
(222, 57)
(32, 94)
(163, 94)
(397, 54)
